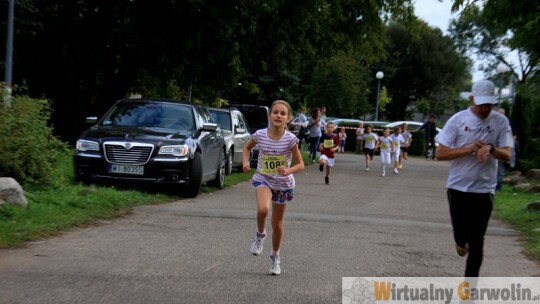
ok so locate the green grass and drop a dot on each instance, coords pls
(511, 207)
(305, 157)
(51, 211)
(56, 209)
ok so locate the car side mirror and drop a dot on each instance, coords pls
(209, 127)
(91, 119)
(240, 131)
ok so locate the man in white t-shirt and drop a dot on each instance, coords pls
(473, 140)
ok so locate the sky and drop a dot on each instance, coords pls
(435, 13)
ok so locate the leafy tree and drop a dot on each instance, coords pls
(338, 84)
(521, 18)
(384, 99)
(84, 55)
(422, 106)
(480, 32)
(423, 64)
(528, 128)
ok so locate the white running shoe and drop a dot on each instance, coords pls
(383, 174)
(257, 245)
(396, 171)
(275, 268)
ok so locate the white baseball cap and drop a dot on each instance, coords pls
(483, 92)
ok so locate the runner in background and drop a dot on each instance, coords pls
(386, 146)
(329, 145)
(370, 143)
(407, 141)
(397, 139)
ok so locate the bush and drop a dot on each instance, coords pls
(527, 125)
(530, 159)
(417, 146)
(29, 150)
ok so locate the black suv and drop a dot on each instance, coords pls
(153, 141)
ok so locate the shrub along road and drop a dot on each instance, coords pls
(197, 250)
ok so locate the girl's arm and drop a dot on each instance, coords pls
(245, 155)
(298, 163)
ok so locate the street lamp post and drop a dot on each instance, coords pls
(379, 76)
(501, 68)
(9, 53)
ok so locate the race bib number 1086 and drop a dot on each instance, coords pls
(270, 163)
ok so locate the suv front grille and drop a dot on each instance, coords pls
(128, 152)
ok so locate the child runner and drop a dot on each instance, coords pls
(370, 142)
(398, 140)
(387, 147)
(342, 139)
(407, 137)
(273, 180)
(329, 145)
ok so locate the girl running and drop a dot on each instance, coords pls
(386, 146)
(273, 180)
(398, 140)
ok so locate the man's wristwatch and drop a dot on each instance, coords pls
(492, 149)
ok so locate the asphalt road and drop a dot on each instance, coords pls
(197, 250)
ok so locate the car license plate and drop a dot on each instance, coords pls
(123, 169)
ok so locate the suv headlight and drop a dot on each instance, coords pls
(87, 145)
(176, 150)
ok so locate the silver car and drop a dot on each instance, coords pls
(257, 118)
(236, 133)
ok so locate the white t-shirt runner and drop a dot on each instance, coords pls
(386, 143)
(397, 139)
(370, 139)
(466, 173)
(271, 155)
(406, 136)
